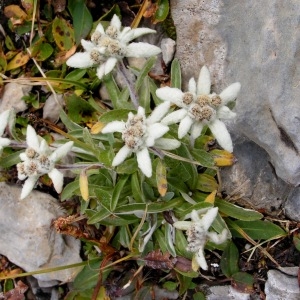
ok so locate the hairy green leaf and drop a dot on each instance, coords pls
(82, 19)
(175, 74)
(237, 212)
(257, 230)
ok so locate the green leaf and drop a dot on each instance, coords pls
(180, 170)
(79, 295)
(181, 244)
(82, 19)
(170, 285)
(243, 282)
(169, 239)
(175, 74)
(19, 60)
(162, 11)
(76, 74)
(136, 189)
(78, 108)
(70, 190)
(296, 241)
(117, 191)
(257, 230)
(197, 206)
(97, 217)
(237, 212)
(191, 169)
(87, 137)
(230, 260)
(112, 89)
(3, 62)
(129, 166)
(160, 237)
(123, 238)
(150, 208)
(199, 296)
(153, 88)
(63, 34)
(115, 115)
(176, 184)
(144, 95)
(68, 122)
(144, 71)
(106, 157)
(8, 43)
(41, 50)
(62, 82)
(104, 195)
(117, 220)
(204, 158)
(184, 283)
(11, 159)
(206, 183)
(88, 277)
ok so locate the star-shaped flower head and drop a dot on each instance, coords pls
(140, 133)
(4, 117)
(109, 46)
(198, 234)
(198, 107)
(38, 159)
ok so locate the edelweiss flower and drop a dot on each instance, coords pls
(38, 160)
(3, 123)
(200, 108)
(198, 235)
(139, 133)
(108, 46)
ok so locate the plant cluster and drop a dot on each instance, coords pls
(145, 163)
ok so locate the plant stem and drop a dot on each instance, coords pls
(126, 76)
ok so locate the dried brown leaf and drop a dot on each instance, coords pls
(157, 260)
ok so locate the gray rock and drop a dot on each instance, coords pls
(28, 240)
(12, 96)
(168, 50)
(198, 40)
(292, 205)
(281, 287)
(52, 107)
(252, 178)
(257, 45)
(225, 292)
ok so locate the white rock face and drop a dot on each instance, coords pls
(27, 238)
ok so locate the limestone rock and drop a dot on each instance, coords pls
(252, 178)
(11, 98)
(257, 45)
(52, 107)
(27, 238)
(225, 292)
(280, 286)
(292, 204)
(167, 49)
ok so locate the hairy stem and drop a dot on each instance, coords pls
(126, 76)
